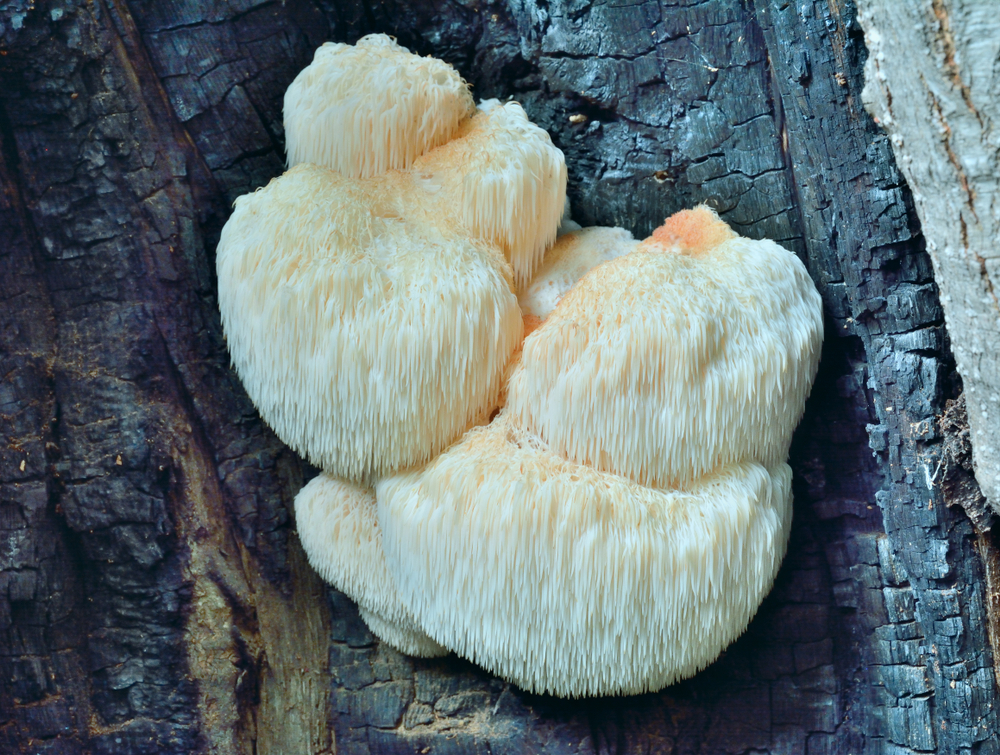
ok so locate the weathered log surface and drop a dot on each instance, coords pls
(933, 81)
(153, 598)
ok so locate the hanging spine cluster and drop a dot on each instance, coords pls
(598, 508)
(372, 107)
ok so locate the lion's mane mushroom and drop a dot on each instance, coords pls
(339, 532)
(368, 334)
(617, 525)
(607, 571)
(573, 256)
(694, 351)
(367, 294)
(504, 180)
(571, 581)
(367, 108)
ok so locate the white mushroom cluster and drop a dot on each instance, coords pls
(562, 459)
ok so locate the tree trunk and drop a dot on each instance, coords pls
(153, 595)
(933, 84)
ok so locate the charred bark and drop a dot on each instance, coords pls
(153, 596)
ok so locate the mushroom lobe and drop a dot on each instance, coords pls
(504, 180)
(571, 581)
(338, 529)
(368, 334)
(367, 108)
(664, 366)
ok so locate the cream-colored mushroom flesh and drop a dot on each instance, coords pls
(339, 532)
(368, 333)
(574, 254)
(567, 580)
(407, 638)
(505, 181)
(695, 351)
(367, 108)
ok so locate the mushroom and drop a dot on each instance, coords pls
(339, 532)
(601, 535)
(573, 256)
(369, 334)
(619, 522)
(503, 180)
(694, 351)
(570, 581)
(367, 108)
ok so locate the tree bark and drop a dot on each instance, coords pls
(153, 595)
(933, 85)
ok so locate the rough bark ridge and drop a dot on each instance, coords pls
(933, 82)
(153, 597)
(148, 589)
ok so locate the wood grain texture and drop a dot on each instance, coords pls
(933, 82)
(153, 597)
